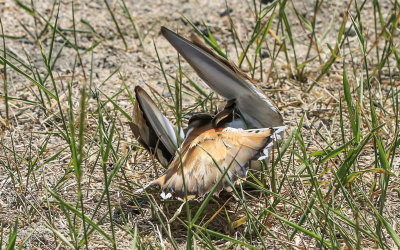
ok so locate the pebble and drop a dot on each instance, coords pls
(348, 28)
(166, 94)
(225, 12)
(264, 54)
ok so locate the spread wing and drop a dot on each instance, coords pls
(230, 148)
(228, 81)
(152, 129)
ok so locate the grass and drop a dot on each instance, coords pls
(69, 167)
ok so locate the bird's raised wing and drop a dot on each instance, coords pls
(228, 81)
(152, 129)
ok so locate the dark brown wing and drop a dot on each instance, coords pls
(152, 129)
(224, 116)
(225, 79)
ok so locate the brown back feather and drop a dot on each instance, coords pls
(231, 149)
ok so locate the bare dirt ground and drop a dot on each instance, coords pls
(24, 193)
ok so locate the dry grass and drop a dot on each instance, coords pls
(331, 67)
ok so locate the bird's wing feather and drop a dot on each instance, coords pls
(228, 81)
(152, 129)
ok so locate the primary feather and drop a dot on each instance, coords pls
(228, 81)
(152, 129)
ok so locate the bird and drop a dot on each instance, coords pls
(215, 148)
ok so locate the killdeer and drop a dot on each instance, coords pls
(212, 145)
